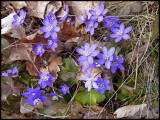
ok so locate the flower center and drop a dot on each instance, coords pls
(39, 49)
(101, 85)
(106, 57)
(64, 88)
(86, 63)
(120, 33)
(88, 53)
(111, 23)
(36, 101)
(64, 13)
(91, 24)
(50, 42)
(114, 63)
(50, 28)
(45, 78)
(33, 93)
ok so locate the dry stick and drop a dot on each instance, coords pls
(125, 81)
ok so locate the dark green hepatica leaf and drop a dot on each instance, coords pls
(6, 52)
(69, 66)
(83, 97)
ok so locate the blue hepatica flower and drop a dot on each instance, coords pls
(64, 14)
(50, 28)
(88, 53)
(86, 66)
(11, 73)
(39, 49)
(106, 57)
(34, 96)
(111, 21)
(91, 25)
(64, 89)
(83, 18)
(52, 43)
(102, 85)
(121, 33)
(69, 20)
(117, 62)
(89, 81)
(55, 96)
(98, 12)
(46, 79)
(19, 19)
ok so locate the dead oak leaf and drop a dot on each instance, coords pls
(36, 8)
(18, 4)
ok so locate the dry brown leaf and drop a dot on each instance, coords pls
(36, 8)
(67, 28)
(18, 4)
(68, 75)
(19, 52)
(96, 72)
(129, 110)
(53, 6)
(9, 29)
(53, 66)
(5, 91)
(32, 36)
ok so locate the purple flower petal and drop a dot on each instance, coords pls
(111, 51)
(90, 60)
(15, 70)
(100, 19)
(95, 53)
(104, 49)
(16, 17)
(126, 36)
(82, 58)
(105, 11)
(54, 35)
(43, 84)
(100, 61)
(46, 22)
(93, 47)
(101, 6)
(113, 69)
(84, 68)
(95, 25)
(108, 64)
(114, 35)
(47, 34)
(120, 66)
(57, 28)
(92, 12)
(121, 27)
(94, 85)
(92, 31)
(118, 38)
(128, 29)
(84, 77)
(44, 29)
(87, 29)
(115, 30)
(5, 74)
(93, 17)
(86, 46)
(80, 51)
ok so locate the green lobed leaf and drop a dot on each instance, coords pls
(25, 77)
(4, 44)
(69, 66)
(83, 97)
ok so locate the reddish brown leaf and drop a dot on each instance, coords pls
(67, 28)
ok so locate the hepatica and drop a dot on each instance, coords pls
(89, 81)
(116, 63)
(19, 19)
(35, 96)
(106, 57)
(90, 26)
(102, 85)
(64, 14)
(11, 73)
(55, 96)
(50, 28)
(83, 18)
(52, 43)
(64, 89)
(46, 79)
(121, 32)
(88, 52)
(39, 49)
(98, 12)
